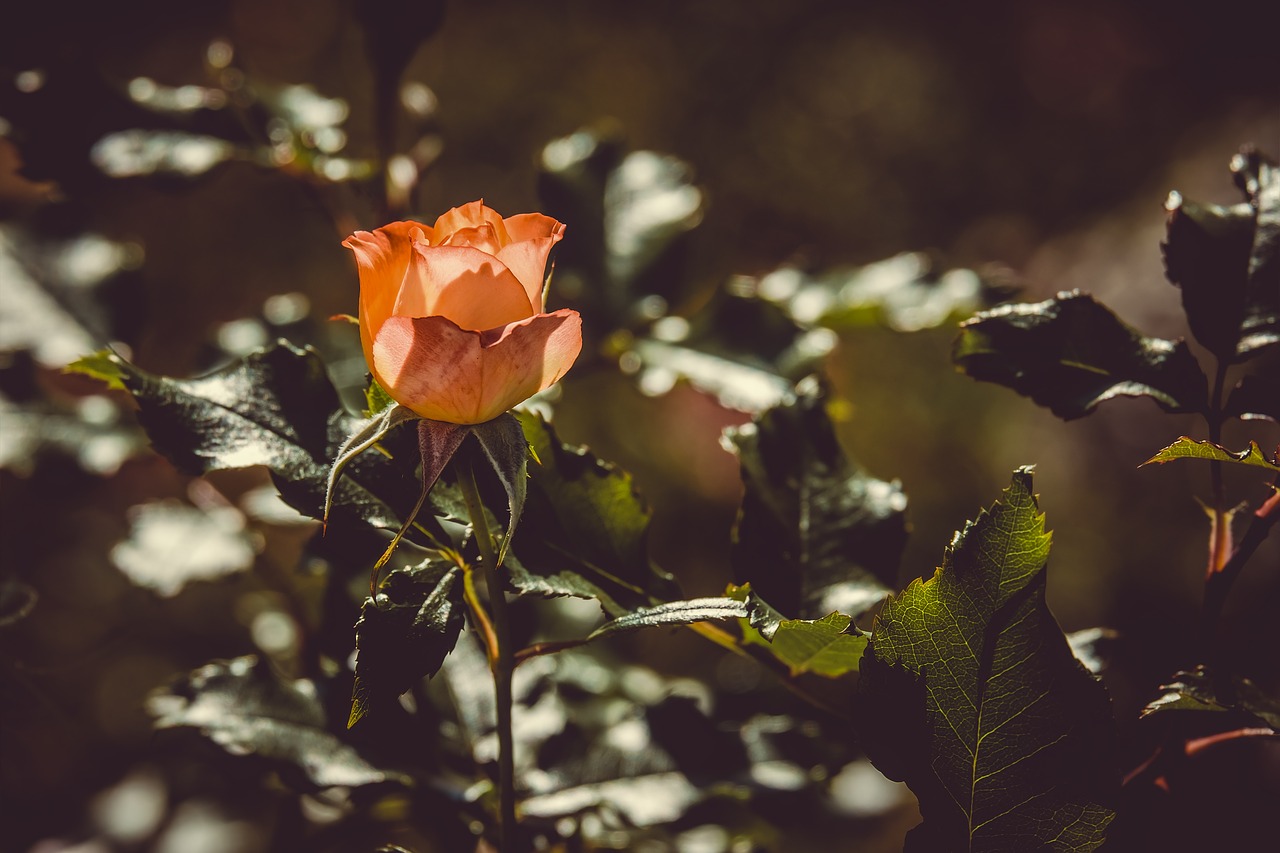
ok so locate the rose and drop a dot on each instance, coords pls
(451, 316)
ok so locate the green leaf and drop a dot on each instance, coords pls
(970, 694)
(1070, 353)
(815, 533)
(502, 440)
(103, 365)
(1226, 261)
(275, 407)
(245, 708)
(824, 646)
(405, 632)
(1256, 397)
(761, 621)
(585, 529)
(1189, 448)
(1194, 691)
(376, 399)
(673, 613)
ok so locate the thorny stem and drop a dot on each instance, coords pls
(501, 662)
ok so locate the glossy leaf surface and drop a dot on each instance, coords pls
(1070, 353)
(405, 632)
(1189, 448)
(585, 529)
(824, 646)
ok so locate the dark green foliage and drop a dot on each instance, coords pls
(1226, 260)
(815, 533)
(585, 529)
(405, 632)
(1197, 692)
(975, 700)
(275, 407)
(1070, 353)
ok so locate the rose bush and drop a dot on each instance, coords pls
(452, 316)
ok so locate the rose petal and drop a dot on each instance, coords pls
(382, 258)
(532, 226)
(471, 215)
(466, 285)
(451, 374)
(481, 237)
(527, 260)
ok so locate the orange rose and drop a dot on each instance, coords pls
(451, 316)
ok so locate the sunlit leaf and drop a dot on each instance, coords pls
(673, 613)
(584, 528)
(1259, 179)
(824, 646)
(245, 708)
(275, 407)
(1070, 353)
(404, 634)
(815, 533)
(971, 695)
(643, 800)
(171, 544)
(1189, 448)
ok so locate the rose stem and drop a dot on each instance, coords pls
(500, 660)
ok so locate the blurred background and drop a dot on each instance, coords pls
(176, 179)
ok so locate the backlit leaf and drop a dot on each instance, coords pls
(824, 646)
(971, 695)
(815, 533)
(1189, 448)
(1070, 353)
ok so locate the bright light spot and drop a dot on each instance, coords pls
(142, 89)
(560, 154)
(671, 329)
(781, 284)
(96, 409)
(220, 53)
(285, 308)
(130, 811)
(89, 259)
(402, 171)
(779, 775)
(274, 632)
(1173, 202)
(139, 152)
(704, 839)
(241, 337)
(630, 362)
(860, 790)
(29, 81)
(651, 307)
(335, 168)
(628, 736)
(657, 381)
(418, 100)
(330, 140)
(307, 109)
